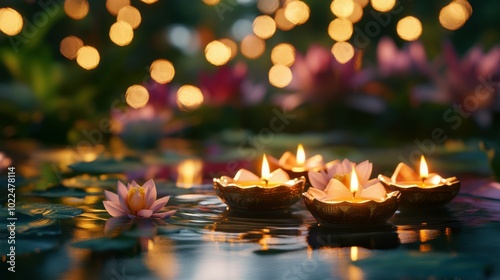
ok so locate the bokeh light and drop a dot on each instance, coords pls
(162, 71)
(283, 54)
(217, 53)
(252, 46)
(88, 57)
(114, 6)
(121, 33)
(130, 15)
(69, 46)
(189, 98)
(409, 28)
(280, 76)
(231, 45)
(11, 22)
(211, 2)
(340, 29)
(281, 21)
(264, 26)
(297, 12)
(343, 52)
(453, 16)
(149, 1)
(137, 96)
(76, 9)
(383, 5)
(342, 8)
(268, 6)
(357, 13)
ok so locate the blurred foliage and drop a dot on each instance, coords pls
(45, 96)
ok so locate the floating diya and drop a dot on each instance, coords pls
(344, 201)
(298, 165)
(271, 191)
(423, 188)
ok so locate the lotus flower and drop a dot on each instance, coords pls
(393, 62)
(319, 77)
(341, 171)
(335, 182)
(229, 85)
(136, 201)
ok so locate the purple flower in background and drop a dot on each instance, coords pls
(397, 62)
(319, 77)
(161, 96)
(230, 86)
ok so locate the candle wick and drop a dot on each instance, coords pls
(266, 181)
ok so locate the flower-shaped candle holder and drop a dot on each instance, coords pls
(333, 203)
(422, 189)
(298, 165)
(249, 192)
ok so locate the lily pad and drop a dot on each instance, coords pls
(33, 225)
(85, 180)
(106, 244)
(107, 166)
(50, 211)
(61, 191)
(31, 245)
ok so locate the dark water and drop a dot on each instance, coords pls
(63, 232)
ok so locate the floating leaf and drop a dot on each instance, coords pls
(51, 211)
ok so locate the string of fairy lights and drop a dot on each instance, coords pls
(275, 14)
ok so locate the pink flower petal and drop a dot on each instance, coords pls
(145, 213)
(111, 197)
(335, 189)
(134, 184)
(317, 179)
(114, 209)
(245, 175)
(150, 192)
(164, 215)
(318, 194)
(364, 170)
(374, 192)
(122, 191)
(279, 175)
(158, 204)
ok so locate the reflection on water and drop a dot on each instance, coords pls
(204, 240)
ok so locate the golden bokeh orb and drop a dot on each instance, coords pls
(264, 26)
(340, 29)
(189, 97)
(130, 15)
(383, 5)
(280, 76)
(69, 46)
(121, 33)
(217, 53)
(76, 9)
(252, 46)
(297, 12)
(283, 54)
(342, 8)
(162, 71)
(137, 96)
(11, 21)
(343, 52)
(88, 57)
(409, 28)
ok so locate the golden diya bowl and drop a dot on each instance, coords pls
(259, 197)
(415, 194)
(347, 213)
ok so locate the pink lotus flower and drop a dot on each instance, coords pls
(395, 62)
(136, 201)
(318, 77)
(341, 171)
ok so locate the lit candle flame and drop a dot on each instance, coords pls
(265, 173)
(354, 181)
(354, 253)
(301, 155)
(424, 171)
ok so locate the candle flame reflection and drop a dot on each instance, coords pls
(354, 253)
(190, 172)
(424, 170)
(301, 155)
(354, 181)
(265, 173)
